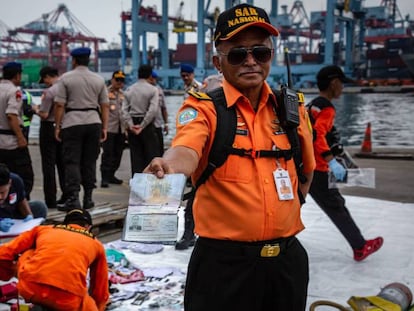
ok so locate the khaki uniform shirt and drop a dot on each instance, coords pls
(81, 88)
(194, 86)
(10, 103)
(115, 124)
(48, 101)
(159, 120)
(141, 100)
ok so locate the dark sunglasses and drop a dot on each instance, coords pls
(237, 56)
(119, 80)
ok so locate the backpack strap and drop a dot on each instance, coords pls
(224, 135)
(292, 134)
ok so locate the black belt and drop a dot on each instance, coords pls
(81, 109)
(7, 132)
(269, 248)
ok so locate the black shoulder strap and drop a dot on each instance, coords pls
(292, 134)
(224, 135)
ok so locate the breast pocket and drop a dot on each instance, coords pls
(235, 169)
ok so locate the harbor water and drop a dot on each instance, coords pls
(391, 116)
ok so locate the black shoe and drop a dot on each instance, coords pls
(104, 184)
(114, 180)
(88, 203)
(51, 205)
(70, 204)
(185, 242)
(61, 200)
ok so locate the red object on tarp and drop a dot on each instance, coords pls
(135, 276)
(8, 291)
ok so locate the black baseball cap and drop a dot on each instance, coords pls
(331, 72)
(78, 215)
(119, 74)
(47, 71)
(239, 17)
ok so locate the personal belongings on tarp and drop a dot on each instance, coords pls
(143, 248)
(114, 257)
(126, 276)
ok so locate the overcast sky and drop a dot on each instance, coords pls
(102, 17)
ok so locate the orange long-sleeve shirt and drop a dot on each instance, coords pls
(61, 258)
(322, 113)
(239, 201)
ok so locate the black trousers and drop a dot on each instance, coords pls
(113, 148)
(232, 276)
(143, 148)
(19, 162)
(80, 147)
(51, 153)
(333, 204)
(160, 136)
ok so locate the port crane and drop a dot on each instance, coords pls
(54, 34)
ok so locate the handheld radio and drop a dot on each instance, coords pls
(289, 111)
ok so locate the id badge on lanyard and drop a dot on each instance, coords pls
(283, 183)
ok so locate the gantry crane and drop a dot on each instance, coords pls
(11, 44)
(52, 41)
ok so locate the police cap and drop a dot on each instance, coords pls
(83, 51)
(119, 74)
(154, 74)
(12, 65)
(186, 68)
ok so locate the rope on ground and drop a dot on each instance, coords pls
(327, 303)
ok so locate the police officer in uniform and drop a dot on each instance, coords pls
(161, 121)
(114, 144)
(139, 110)
(14, 151)
(187, 75)
(81, 116)
(50, 148)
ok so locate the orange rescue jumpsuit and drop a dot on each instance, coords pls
(53, 267)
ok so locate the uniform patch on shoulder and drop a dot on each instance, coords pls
(19, 95)
(187, 115)
(199, 95)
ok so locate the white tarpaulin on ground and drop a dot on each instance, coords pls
(334, 275)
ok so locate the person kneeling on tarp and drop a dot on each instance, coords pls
(54, 262)
(13, 202)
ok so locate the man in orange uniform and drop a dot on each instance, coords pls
(54, 262)
(322, 114)
(247, 256)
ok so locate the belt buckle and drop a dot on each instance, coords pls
(270, 250)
